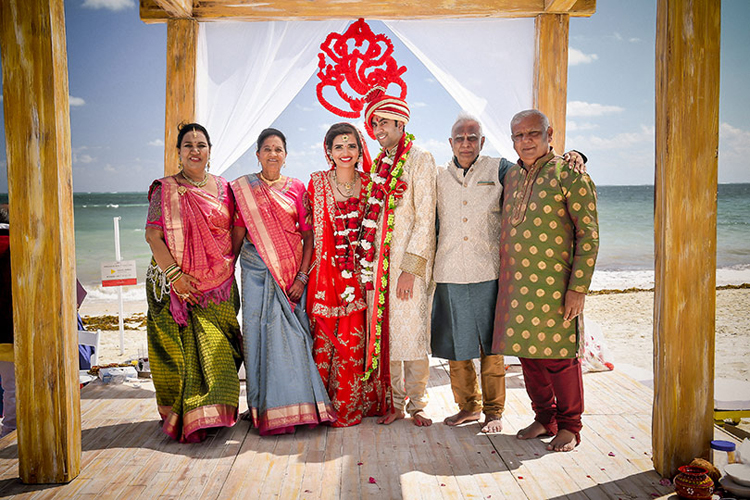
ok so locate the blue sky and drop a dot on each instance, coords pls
(117, 89)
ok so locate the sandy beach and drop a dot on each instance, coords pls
(626, 320)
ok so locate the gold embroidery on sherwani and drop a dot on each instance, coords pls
(521, 196)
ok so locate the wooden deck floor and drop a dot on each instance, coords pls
(125, 455)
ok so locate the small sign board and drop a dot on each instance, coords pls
(119, 273)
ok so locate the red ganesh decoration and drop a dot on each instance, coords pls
(354, 63)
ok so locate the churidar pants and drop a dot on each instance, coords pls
(409, 380)
(555, 387)
(465, 385)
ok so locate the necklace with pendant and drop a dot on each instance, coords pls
(198, 184)
(348, 187)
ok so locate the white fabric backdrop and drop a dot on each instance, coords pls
(247, 74)
(487, 65)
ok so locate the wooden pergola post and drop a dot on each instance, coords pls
(37, 132)
(551, 72)
(687, 141)
(182, 44)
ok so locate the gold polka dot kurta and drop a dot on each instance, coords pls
(549, 240)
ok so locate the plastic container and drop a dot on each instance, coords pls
(722, 454)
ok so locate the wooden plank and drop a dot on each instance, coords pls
(255, 455)
(558, 6)
(551, 73)
(37, 132)
(330, 487)
(314, 466)
(151, 11)
(176, 8)
(687, 141)
(182, 43)
(295, 472)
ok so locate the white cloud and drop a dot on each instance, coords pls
(1, 97)
(617, 36)
(576, 57)
(572, 126)
(734, 148)
(634, 40)
(109, 168)
(114, 5)
(734, 142)
(441, 150)
(76, 101)
(618, 142)
(581, 108)
(417, 104)
(80, 158)
(156, 142)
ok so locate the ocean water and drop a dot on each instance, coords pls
(626, 220)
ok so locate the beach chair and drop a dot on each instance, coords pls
(92, 339)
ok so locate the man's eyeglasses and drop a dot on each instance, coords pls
(472, 139)
(534, 134)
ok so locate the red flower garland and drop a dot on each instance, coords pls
(347, 219)
(384, 179)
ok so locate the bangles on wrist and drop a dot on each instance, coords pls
(302, 277)
(173, 273)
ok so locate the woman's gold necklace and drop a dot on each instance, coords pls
(268, 181)
(198, 184)
(348, 191)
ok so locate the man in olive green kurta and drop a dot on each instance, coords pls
(549, 241)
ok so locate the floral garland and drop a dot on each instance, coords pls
(384, 189)
(346, 235)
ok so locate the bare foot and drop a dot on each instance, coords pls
(461, 417)
(391, 417)
(421, 420)
(564, 441)
(534, 430)
(492, 424)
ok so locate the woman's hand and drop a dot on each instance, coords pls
(185, 289)
(296, 290)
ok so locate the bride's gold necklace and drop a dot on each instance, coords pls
(198, 184)
(348, 191)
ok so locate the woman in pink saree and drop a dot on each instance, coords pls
(273, 238)
(193, 335)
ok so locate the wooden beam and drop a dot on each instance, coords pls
(182, 44)
(176, 8)
(37, 134)
(558, 6)
(152, 11)
(551, 73)
(687, 141)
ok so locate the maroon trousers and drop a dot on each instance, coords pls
(555, 387)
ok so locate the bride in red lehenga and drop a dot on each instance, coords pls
(335, 296)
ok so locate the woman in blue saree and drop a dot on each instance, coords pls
(273, 238)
